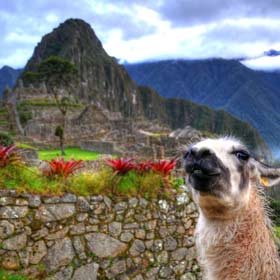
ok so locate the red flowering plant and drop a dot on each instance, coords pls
(121, 166)
(163, 166)
(143, 167)
(133, 176)
(8, 155)
(61, 168)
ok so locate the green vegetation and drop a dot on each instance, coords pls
(173, 111)
(124, 177)
(24, 112)
(277, 231)
(275, 205)
(104, 181)
(20, 145)
(70, 153)
(112, 177)
(58, 74)
(46, 102)
(23, 178)
(5, 275)
(6, 139)
(157, 135)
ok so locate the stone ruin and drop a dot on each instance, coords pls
(97, 129)
(97, 237)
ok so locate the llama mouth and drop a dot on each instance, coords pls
(202, 178)
(202, 172)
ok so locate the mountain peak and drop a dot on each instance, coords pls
(7, 68)
(71, 38)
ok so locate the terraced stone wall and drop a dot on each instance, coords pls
(98, 237)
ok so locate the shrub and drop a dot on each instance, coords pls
(151, 185)
(128, 184)
(29, 179)
(61, 168)
(90, 183)
(6, 139)
(8, 155)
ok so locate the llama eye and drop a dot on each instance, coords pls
(242, 155)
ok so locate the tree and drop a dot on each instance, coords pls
(59, 132)
(60, 76)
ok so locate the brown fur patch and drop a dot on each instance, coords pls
(214, 207)
(240, 248)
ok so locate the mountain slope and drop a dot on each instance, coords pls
(253, 96)
(102, 80)
(105, 83)
(8, 77)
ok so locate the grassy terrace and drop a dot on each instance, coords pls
(71, 153)
(59, 175)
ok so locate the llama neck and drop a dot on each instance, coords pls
(242, 248)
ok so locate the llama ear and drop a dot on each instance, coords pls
(269, 176)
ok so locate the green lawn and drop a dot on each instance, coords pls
(71, 153)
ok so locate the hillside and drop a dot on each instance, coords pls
(107, 85)
(253, 96)
(8, 77)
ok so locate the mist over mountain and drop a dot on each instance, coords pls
(252, 96)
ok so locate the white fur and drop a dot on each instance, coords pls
(223, 148)
(221, 254)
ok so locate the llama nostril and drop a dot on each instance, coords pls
(205, 153)
(195, 153)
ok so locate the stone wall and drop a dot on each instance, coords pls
(98, 237)
(102, 147)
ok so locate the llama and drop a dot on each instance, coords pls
(234, 238)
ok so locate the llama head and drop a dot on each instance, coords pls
(222, 174)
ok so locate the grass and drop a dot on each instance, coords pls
(157, 135)
(46, 102)
(71, 153)
(104, 181)
(28, 179)
(4, 275)
(278, 231)
(25, 146)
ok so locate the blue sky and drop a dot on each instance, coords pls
(143, 30)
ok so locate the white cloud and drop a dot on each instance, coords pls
(263, 63)
(166, 43)
(22, 38)
(17, 58)
(148, 30)
(52, 18)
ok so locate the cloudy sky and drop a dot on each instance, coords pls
(147, 30)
